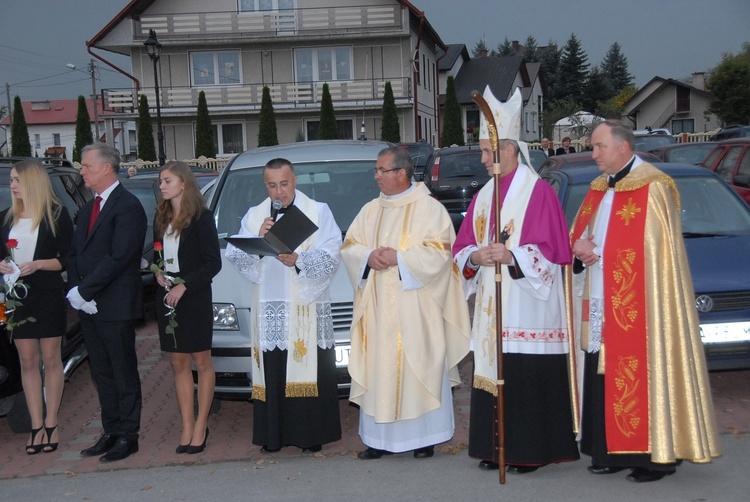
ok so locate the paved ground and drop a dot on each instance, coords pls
(230, 451)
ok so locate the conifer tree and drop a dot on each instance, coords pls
(531, 50)
(615, 68)
(83, 129)
(573, 71)
(479, 47)
(146, 146)
(204, 133)
(20, 145)
(453, 133)
(329, 128)
(505, 48)
(267, 133)
(390, 130)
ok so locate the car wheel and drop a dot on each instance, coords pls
(18, 416)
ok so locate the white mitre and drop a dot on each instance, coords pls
(507, 120)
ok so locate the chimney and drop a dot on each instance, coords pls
(483, 53)
(699, 80)
(516, 48)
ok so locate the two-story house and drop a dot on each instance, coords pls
(665, 102)
(231, 49)
(504, 75)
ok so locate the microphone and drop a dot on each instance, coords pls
(275, 208)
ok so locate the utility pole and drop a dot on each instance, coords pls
(10, 111)
(93, 92)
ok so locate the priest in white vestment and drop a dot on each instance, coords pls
(411, 323)
(295, 389)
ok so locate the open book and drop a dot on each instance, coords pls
(283, 238)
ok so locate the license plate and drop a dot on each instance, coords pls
(342, 355)
(723, 333)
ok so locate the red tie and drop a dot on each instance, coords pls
(94, 213)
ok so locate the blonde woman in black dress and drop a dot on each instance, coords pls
(187, 231)
(43, 229)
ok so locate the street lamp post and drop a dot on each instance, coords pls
(153, 48)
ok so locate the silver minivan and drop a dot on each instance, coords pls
(337, 172)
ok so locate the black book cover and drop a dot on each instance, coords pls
(283, 238)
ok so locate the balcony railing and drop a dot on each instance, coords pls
(285, 94)
(286, 22)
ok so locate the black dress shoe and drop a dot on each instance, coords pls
(371, 454)
(313, 449)
(122, 449)
(641, 475)
(103, 445)
(521, 469)
(266, 449)
(181, 448)
(488, 465)
(425, 452)
(595, 469)
(193, 449)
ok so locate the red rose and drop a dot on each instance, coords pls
(11, 244)
(158, 246)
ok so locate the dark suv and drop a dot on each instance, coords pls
(70, 189)
(421, 155)
(457, 174)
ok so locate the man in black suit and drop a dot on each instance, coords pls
(103, 272)
(549, 152)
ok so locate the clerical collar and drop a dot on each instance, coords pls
(399, 195)
(614, 178)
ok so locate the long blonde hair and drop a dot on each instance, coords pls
(192, 201)
(38, 200)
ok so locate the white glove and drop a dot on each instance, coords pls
(90, 307)
(75, 298)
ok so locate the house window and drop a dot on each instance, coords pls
(37, 141)
(683, 99)
(229, 138)
(324, 64)
(346, 129)
(56, 139)
(683, 125)
(261, 5)
(215, 68)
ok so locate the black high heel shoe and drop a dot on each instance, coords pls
(33, 449)
(49, 447)
(197, 449)
(182, 448)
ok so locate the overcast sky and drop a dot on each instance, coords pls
(668, 38)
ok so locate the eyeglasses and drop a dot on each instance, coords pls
(381, 171)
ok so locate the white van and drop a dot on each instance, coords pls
(339, 173)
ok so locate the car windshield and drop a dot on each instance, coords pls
(344, 185)
(463, 165)
(689, 154)
(646, 143)
(707, 206)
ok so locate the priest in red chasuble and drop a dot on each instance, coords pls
(646, 396)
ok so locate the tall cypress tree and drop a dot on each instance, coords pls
(267, 133)
(20, 145)
(453, 132)
(329, 128)
(83, 129)
(204, 133)
(146, 145)
(390, 130)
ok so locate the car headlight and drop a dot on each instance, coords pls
(225, 317)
